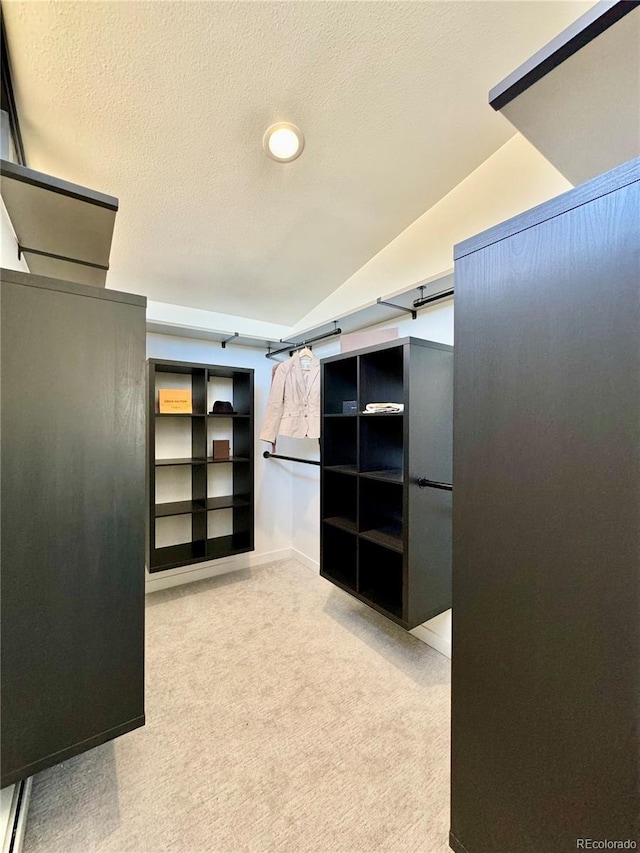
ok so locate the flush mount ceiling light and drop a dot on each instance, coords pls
(283, 142)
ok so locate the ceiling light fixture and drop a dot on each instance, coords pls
(283, 142)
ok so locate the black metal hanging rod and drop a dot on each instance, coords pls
(291, 347)
(423, 483)
(268, 455)
(425, 300)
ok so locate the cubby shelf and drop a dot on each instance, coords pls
(228, 502)
(179, 415)
(342, 469)
(343, 523)
(383, 539)
(217, 415)
(179, 461)
(231, 516)
(393, 475)
(388, 537)
(178, 508)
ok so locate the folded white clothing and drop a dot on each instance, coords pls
(382, 408)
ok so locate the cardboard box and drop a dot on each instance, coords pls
(172, 401)
(221, 448)
(358, 340)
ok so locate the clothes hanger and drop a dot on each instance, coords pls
(305, 352)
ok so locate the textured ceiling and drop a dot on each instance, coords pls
(164, 105)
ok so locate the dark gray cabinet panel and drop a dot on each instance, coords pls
(546, 556)
(73, 519)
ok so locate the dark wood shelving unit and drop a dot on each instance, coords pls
(546, 629)
(72, 516)
(200, 506)
(385, 540)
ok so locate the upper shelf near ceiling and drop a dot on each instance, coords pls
(396, 306)
(576, 99)
(63, 230)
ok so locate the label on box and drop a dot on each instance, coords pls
(172, 401)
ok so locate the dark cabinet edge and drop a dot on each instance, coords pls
(189, 365)
(455, 845)
(61, 286)
(615, 179)
(369, 602)
(71, 751)
(572, 39)
(397, 342)
(207, 558)
(17, 172)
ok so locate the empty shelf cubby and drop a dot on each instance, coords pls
(339, 555)
(340, 442)
(381, 512)
(380, 577)
(340, 500)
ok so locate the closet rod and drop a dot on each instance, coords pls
(434, 484)
(302, 344)
(425, 300)
(268, 455)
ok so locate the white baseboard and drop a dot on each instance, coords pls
(306, 561)
(211, 569)
(14, 818)
(436, 641)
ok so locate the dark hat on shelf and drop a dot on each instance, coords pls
(222, 407)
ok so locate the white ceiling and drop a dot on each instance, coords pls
(164, 104)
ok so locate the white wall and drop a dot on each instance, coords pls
(273, 488)
(9, 244)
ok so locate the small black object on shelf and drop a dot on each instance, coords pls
(223, 407)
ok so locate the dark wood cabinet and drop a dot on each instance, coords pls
(73, 519)
(201, 507)
(546, 556)
(386, 537)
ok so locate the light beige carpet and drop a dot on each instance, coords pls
(282, 715)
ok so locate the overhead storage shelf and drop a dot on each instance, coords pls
(63, 230)
(385, 309)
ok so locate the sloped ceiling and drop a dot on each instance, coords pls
(164, 104)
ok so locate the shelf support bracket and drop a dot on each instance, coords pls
(24, 250)
(411, 311)
(226, 340)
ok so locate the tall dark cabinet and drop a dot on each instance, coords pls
(546, 556)
(73, 519)
(386, 536)
(200, 507)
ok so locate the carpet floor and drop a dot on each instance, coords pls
(282, 717)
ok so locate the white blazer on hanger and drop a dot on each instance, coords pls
(293, 408)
